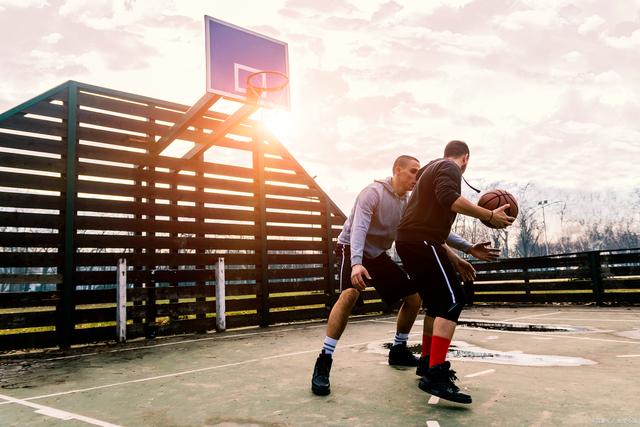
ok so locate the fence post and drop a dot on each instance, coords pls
(121, 298)
(595, 268)
(65, 323)
(331, 283)
(263, 272)
(221, 316)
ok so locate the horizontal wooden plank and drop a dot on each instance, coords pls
(314, 285)
(159, 226)
(31, 201)
(298, 300)
(26, 124)
(31, 143)
(124, 190)
(298, 259)
(297, 273)
(621, 284)
(299, 245)
(25, 341)
(21, 279)
(22, 219)
(242, 320)
(536, 286)
(287, 316)
(629, 270)
(534, 298)
(151, 176)
(26, 259)
(275, 230)
(152, 209)
(302, 218)
(156, 242)
(150, 259)
(550, 274)
(28, 299)
(621, 297)
(27, 319)
(47, 109)
(31, 181)
(532, 263)
(24, 161)
(295, 205)
(281, 190)
(48, 240)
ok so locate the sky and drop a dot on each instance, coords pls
(545, 92)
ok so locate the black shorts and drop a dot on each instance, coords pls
(389, 279)
(434, 277)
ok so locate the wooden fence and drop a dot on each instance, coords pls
(80, 187)
(599, 277)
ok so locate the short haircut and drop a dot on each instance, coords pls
(456, 149)
(402, 161)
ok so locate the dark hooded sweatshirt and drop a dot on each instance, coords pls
(428, 215)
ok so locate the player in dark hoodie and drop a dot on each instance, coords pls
(423, 229)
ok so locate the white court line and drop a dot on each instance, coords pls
(57, 413)
(477, 374)
(594, 319)
(628, 355)
(216, 337)
(433, 400)
(118, 350)
(530, 317)
(177, 374)
(555, 335)
(433, 424)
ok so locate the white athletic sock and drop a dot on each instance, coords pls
(400, 338)
(329, 345)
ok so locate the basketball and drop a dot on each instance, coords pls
(493, 199)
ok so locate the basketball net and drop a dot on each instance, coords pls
(267, 86)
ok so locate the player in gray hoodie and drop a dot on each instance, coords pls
(361, 249)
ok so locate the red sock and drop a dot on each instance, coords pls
(426, 345)
(439, 348)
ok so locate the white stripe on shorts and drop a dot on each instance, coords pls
(453, 297)
(341, 268)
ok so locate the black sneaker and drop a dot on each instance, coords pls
(423, 366)
(320, 381)
(400, 355)
(439, 382)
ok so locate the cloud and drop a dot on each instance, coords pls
(387, 10)
(326, 6)
(590, 24)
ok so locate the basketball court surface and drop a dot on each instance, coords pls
(575, 366)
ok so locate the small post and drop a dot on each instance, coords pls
(221, 321)
(595, 268)
(121, 298)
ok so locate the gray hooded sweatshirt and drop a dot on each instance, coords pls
(373, 222)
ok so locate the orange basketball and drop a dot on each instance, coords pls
(493, 199)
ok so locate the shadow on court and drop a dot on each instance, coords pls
(553, 366)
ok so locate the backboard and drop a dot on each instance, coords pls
(234, 53)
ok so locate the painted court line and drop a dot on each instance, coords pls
(628, 355)
(530, 317)
(119, 350)
(433, 400)
(181, 373)
(56, 413)
(216, 337)
(477, 374)
(559, 336)
(594, 319)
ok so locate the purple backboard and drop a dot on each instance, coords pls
(233, 53)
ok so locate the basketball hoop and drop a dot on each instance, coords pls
(262, 83)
